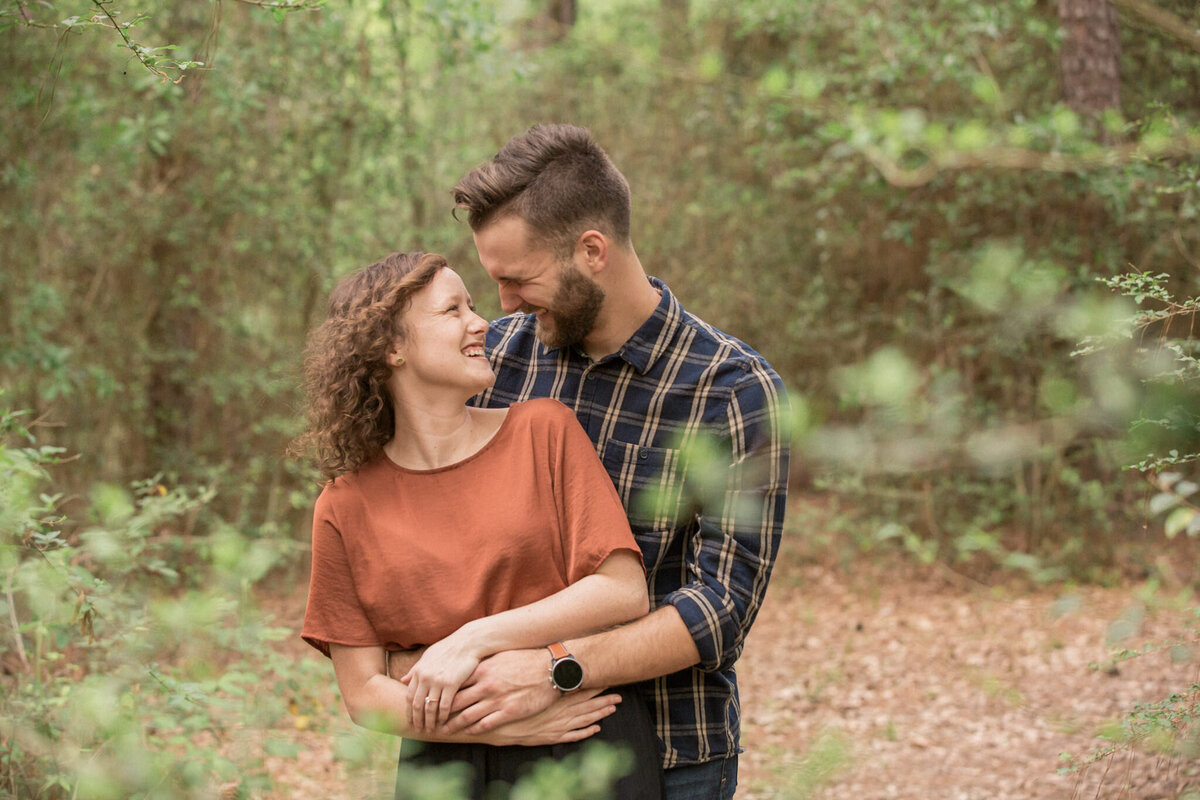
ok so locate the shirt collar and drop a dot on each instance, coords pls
(657, 333)
(650, 341)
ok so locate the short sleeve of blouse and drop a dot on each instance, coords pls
(334, 614)
(593, 524)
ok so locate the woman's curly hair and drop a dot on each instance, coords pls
(346, 366)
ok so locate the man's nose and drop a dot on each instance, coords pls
(510, 300)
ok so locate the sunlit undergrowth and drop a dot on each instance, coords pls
(133, 652)
(137, 662)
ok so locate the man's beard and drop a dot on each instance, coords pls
(577, 303)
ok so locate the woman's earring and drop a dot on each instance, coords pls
(399, 361)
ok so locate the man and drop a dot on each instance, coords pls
(687, 420)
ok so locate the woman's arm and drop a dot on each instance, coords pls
(379, 702)
(372, 699)
(614, 593)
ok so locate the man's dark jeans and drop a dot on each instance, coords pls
(712, 780)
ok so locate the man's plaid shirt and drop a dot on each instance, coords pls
(689, 423)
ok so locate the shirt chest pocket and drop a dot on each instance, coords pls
(649, 481)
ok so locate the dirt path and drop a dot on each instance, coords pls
(884, 686)
(879, 683)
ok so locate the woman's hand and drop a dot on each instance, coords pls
(571, 718)
(436, 677)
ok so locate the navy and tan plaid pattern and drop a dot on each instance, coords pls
(689, 423)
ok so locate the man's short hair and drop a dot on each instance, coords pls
(557, 179)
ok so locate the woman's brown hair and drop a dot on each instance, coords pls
(346, 367)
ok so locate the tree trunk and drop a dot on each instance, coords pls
(673, 29)
(562, 15)
(1090, 60)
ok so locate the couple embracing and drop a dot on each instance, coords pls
(516, 551)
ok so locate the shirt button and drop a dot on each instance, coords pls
(591, 376)
(643, 454)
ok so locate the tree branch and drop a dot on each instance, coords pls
(16, 625)
(1016, 158)
(138, 52)
(1164, 21)
(285, 5)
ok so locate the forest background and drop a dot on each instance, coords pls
(964, 233)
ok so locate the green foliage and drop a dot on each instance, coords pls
(109, 17)
(912, 240)
(890, 201)
(804, 778)
(118, 629)
(1166, 440)
(587, 775)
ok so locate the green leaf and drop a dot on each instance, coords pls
(1161, 502)
(775, 81)
(971, 136)
(711, 65)
(281, 748)
(1179, 520)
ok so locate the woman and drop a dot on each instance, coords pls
(463, 530)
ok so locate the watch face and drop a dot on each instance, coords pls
(568, 674)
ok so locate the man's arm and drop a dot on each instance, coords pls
(614, 593)
(741, 523)
(376, 701)
(515, 684)
(704, 622)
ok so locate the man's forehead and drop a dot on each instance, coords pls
(509, 232)
(507, 251)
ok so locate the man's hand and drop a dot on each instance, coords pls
(570, 718)
(506, 687)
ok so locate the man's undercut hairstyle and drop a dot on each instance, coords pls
(557, 179)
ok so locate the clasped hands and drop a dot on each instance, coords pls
(506, 698)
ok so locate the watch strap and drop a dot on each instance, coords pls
(558, 651)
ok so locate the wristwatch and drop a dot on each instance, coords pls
(566, 674)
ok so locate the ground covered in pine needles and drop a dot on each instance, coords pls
(881, 685)
(878, 682)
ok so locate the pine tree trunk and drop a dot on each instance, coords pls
(562, 15)
(673, 29)
(1090, 60)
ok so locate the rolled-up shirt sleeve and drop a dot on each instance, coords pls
(738, 484)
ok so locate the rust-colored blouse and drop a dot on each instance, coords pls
(403, 557)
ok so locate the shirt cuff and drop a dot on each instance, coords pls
(708, 621)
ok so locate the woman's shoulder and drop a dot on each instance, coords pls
(547, 420)
(543, 415)
(349, 487)
(546, 408)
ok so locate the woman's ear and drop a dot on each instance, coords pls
(394, 356)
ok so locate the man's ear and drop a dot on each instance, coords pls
(591, 251)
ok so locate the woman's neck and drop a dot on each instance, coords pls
(430, 436)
